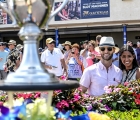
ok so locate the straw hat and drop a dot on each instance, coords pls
(67, 43)
(49, 40)
(107, 41)
(12, 42)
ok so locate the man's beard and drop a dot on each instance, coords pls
(107, 59)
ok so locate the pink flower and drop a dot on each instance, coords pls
(58, 91)
(85, 95)
(60, 105)
(1, 103)
(65, 103)
(37, 95)
(63, 77)
(79, 89)
(76, 97)
(126, 83)
(107, 89)
(116, 89)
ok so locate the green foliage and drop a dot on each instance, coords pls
(127, 115)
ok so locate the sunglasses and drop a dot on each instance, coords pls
(9, 44)
(52, 43)
(108, 48)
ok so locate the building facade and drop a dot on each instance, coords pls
(85, 20)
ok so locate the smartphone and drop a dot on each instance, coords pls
(53, 66)
(72, 52)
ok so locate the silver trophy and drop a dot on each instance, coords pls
(31, 15)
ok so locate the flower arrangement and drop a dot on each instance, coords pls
(36, 110)
(74, 103)
(122, 97)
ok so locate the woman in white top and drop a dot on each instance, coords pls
(128, 64)
(74, 63)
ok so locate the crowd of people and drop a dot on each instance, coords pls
(10, 57)
(96, 63)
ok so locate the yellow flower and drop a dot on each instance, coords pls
(96, 116)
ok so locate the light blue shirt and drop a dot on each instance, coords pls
(7, 49)
(3, 55)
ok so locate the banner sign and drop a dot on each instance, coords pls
(83, 9)
(94, 9)
(4, 17)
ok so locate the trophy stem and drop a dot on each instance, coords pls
(30, 69)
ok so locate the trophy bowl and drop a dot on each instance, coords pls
(37, 11)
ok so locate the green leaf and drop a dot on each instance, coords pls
(114, 104)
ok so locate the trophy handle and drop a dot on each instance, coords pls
(14, 23)
(55, 12)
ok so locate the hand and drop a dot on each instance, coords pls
(74, 55)
(69, 56)
(65, 73)
(87, 47)
(5, 68)
(50, 67)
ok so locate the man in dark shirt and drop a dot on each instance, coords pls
(13, 61)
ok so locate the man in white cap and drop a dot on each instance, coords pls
(103, 73)
(53, 59)
(13, 59)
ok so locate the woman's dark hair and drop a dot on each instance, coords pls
(130, 49)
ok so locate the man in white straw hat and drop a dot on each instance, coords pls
(103, 73)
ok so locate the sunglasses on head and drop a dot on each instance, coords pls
(108, 48)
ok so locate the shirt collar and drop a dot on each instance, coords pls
(102, 66)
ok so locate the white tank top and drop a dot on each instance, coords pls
(130, 76)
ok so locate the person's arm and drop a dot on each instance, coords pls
(61, 16)
(78, 60)
(46, 66)
(17, 57)
(21, 57)
(138, 74)
(84, 89)
(83, 52)
(63, 12)
(63, 64)
(67, 60)
(85, 81)
(17, 63)
(98, 56)
(65, 67)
